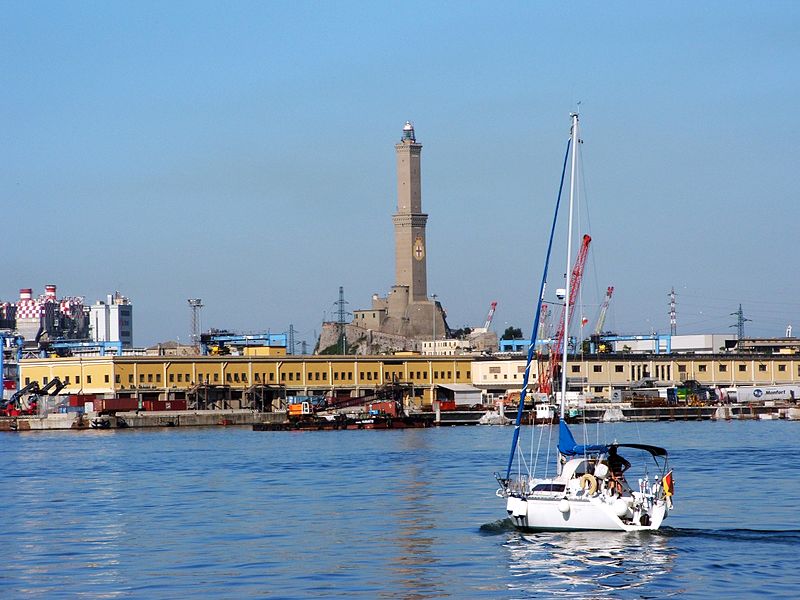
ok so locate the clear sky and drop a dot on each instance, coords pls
(243, 153)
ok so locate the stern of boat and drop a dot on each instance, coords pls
(658, 513)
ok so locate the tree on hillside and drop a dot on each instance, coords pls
(460, 334)
(512, 333)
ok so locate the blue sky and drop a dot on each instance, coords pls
(243, 153)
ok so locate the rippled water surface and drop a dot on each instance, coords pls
(379, 514)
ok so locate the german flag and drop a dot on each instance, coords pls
(669, 486)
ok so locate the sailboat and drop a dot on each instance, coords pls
(589, 490)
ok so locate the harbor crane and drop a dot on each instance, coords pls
(490, 315)
(601, 319)
(556, 349)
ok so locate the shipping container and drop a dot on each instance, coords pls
(389, 408)
(80, 399)
(115, 404)
(164, 405)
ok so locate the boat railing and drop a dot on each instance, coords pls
(515, 485)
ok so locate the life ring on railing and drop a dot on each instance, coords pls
(589, 481)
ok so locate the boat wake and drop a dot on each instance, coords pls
(776, 536)
(498, 527)
(785, 536)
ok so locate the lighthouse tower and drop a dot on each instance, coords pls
(409, 220)
(407, 311)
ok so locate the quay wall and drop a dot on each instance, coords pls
(210, 418)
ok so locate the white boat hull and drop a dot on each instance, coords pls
(594, 513)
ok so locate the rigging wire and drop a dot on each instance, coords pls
(593, 257)
(539, 298)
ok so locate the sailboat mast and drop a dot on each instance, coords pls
(572, 190)
(536, 320)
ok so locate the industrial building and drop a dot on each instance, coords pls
(247, 381)
(256, 381)
(667, 343)
(597, 375)
(49, 326)
(112, 320)
(47, 323)
(45, 318)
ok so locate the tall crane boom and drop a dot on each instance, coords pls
(490, 315)
(544, 322)
(556, 350)
(601, 318)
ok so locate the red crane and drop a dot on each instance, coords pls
(557, 348)
(490, 315)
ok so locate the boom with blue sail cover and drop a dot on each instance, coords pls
(535, 331)
(568, 447)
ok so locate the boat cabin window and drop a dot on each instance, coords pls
(583, 468)
(548, 487)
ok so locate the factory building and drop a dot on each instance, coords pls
(28, 315)
(45, 318)
(112, 320)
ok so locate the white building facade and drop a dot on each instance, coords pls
(112, 321)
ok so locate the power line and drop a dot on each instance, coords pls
(673, 317)
(342, 320)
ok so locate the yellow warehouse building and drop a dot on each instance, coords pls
(239, 380)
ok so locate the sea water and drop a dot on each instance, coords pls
(232, 513)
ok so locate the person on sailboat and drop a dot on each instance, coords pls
(617, 465)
